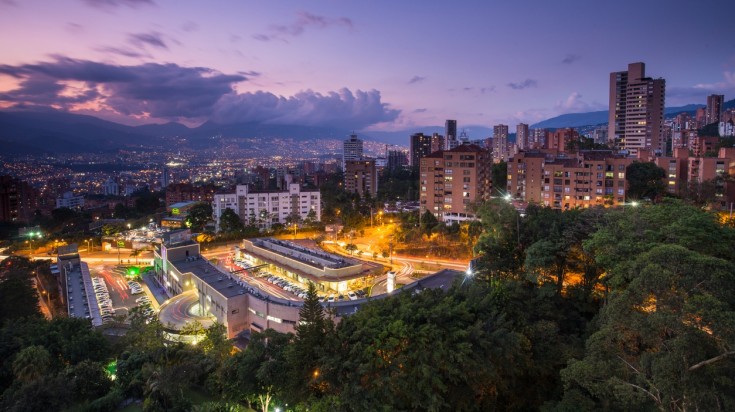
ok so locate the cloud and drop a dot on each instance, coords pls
(570, 58)
(8, 3)
(420, 111)
(172, 92)
(523, 85)
(574, 103)
(416, 79)
(123, 51)
(303, 21)
(108, 4)
(141, 40)
(342, 108)
(74, 28)
(681, 95)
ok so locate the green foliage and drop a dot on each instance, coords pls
(229, 222)
(199, 215)
(710, 130)
(500, 178)
(645, 181)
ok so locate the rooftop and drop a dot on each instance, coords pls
(211, 275)
(313, 257)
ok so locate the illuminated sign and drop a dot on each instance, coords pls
(175, 211)
(120, 243)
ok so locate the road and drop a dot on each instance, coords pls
(260, 283)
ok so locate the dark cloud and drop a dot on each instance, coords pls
(153, 38)
(416, 79)
(303, 21)
(420, 110)
(172, 92)
(108, 4)
(342, 108)
(523, 85)
(249, 73)
(570, 58)
(123, 51)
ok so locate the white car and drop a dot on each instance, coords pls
(352, 295)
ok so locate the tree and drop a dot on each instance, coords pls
(31, 363)
(645, 181)
(307, 346)
(146, 202)
(230, 222)
(199, 215)
(351, 247)
(500, 178)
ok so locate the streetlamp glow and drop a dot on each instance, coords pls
(634, 203)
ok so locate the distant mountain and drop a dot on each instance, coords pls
(44, 131)
(595, 118)
(401, 137)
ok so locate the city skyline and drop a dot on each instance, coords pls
(353, 66)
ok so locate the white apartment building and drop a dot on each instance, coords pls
(268, 207)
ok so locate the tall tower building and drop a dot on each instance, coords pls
(500, 143)
(450, 134)
(636, 118)
(522, 136)
(437, 142)
(351, 150)
(420, 147)
(361, 177)
(165, 178)
(714, 108)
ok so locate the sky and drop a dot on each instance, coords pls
(361, 65)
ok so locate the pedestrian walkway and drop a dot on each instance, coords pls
(155, 289)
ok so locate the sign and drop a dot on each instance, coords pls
(120, 243)
(175, 211)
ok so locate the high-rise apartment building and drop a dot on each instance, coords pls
(437, 142)
(714, 108)
(636, 118)
(588, 178)
(538, 138)
(450, 134)
(420, 146)
(562, 139)
(186, 192)
(351, 150)
(522, 136)
(110, 187)
(397, 159)
(18, 200)
(361, 176)
(452, 180)
(500, 143)
(165, 178)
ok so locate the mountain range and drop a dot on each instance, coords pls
(38, 131)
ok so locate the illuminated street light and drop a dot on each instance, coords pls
(634, 203)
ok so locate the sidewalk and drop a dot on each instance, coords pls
(155, 289)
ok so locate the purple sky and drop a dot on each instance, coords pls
(376, 65)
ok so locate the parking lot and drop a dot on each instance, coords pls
(115, 296)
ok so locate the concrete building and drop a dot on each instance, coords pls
(397, 159)
(538, 138)
(110, 187)
(500, 143)
(264, 208)
(237, 303)
(676, 167)
(522, 136)
(561, 140)
(561, 181)
(361, 176)
(727, 129)
(636, 117)
(185, 192)
(714, 108)
(420, 145)
(452, 180)
(69, 200)
(351, 150)
(165, 178)
(18, 200)
(450, 134)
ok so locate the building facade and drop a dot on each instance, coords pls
(361, 176)
(451, 181)
(636, 117)
(560, 181)
(522, 136)
(351, 149)
(264, 208)
(714, 108)
(500, 143)
(18, 200)
(450, 134)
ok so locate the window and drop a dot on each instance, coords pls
(621, 175)
(466, 172)
(466, 180)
